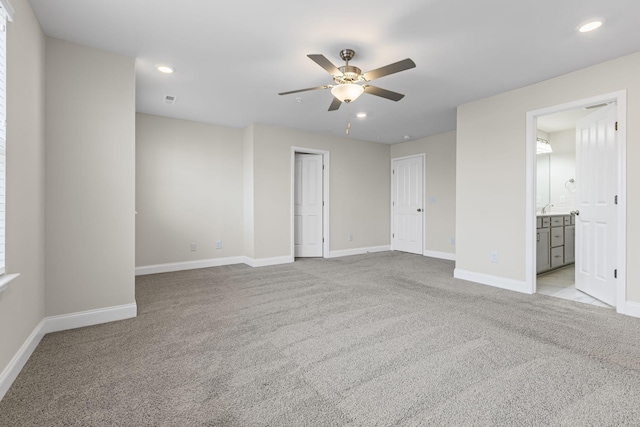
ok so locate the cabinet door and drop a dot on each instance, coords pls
(543, 261)
(569, 244)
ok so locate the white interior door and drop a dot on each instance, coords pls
(407, 207)
(596, 186)
(307, 208)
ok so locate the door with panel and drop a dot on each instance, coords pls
(407, 204)
(307, 209)
(595, 222)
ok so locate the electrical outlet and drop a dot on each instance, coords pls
(218, 244)
(431, 200)
(194, 247)
(563, 199)
(452, 241)
(350, 237)
(494, 256)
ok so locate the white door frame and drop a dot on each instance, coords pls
(424, 191)
(325, 197)
(620, 98)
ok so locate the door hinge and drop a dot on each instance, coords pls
(323, 240)
(393, 235)
(615, 273)
(393, 203)
(322, 167)
(323, 203)
(616, 125)
(615, 199)
(393, 171)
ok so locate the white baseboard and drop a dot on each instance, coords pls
(60, 323)
(188, 265)
(441, 255)
(632, 309)
(496, 281)
(358, 251)
(89, 318)
(265, 262)
(10, 373)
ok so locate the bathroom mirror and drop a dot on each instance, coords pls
(543, 183)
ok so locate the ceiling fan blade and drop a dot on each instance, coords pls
(304, 90)
(335, 104)
(326, 64)
(373, 90)
(396, 67)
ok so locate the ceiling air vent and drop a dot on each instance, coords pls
(169, 99)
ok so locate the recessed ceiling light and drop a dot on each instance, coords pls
(407, 136)
(361, 115)
(591, 25)
(164, 69)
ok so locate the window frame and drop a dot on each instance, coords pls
(6, 16)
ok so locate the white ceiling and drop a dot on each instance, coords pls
(233, 57)
(563, 120)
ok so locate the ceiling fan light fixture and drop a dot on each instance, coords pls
(347, 92)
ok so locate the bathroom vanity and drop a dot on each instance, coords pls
(555, 245)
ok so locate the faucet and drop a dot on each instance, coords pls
(544, 209)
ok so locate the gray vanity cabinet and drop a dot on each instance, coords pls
(555, 246)
(543, 260)
(569, 244)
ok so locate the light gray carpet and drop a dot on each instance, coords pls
(387, 339)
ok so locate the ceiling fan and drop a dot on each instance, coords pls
(351, 82)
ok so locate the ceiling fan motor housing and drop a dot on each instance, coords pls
(350, 74)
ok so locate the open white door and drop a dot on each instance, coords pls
(596, 227)
(307, 208)
(407, 208)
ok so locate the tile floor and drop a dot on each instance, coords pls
(560, 283)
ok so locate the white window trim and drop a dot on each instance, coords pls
(5, 279)
(6, 15)
(8, 9)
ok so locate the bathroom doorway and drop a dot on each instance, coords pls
(556, 205)
(561, 163)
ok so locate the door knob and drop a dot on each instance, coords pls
(419, 210)
(576, 212)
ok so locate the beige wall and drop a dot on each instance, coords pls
(189, 189)
(440, 186)
(22, 303)
(490, 178)
(90, 178)
(197, 183)
(359, 190)
(247, 151)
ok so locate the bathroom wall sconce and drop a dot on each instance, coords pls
(543, 146)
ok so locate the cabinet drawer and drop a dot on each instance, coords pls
(557, 221)
(557, 236)
(567, 220)
(557, 256)
(546, 222)
(538, 222)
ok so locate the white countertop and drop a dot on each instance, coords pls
(553, 213)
